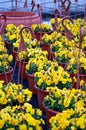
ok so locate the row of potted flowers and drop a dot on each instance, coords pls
(59, 44)
(55, 36)
(23, 55)
(49, 71)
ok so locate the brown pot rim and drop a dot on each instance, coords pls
(42, 90)
(51, 110)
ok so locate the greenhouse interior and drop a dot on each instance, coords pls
(42, 65)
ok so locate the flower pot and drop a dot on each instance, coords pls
(40, 95)
(31, 83)
(6, 76)
(21, 65)
(21, 17)
(49, 114)
(46, 47)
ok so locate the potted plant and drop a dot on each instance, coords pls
(51, 76)
(72, 29)
(13, 94)
(59, 100)
(26, 44)
(72, 120)
(47, 40)
(5, 64)
(12, 37)
(62, 57)
(72, 67)
(25, 56)
(15, 111)
(41, 29)
(34, 64)
(54, 75)
(57, 26)
(21, 117)
(60, 44)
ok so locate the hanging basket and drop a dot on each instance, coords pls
(6, 76)
(21, 17)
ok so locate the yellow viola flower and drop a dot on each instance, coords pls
(82, 82)
(1, 124)
(22, 127)
(20, 98)
(10, 58)
(39, 112)
(12, 37)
